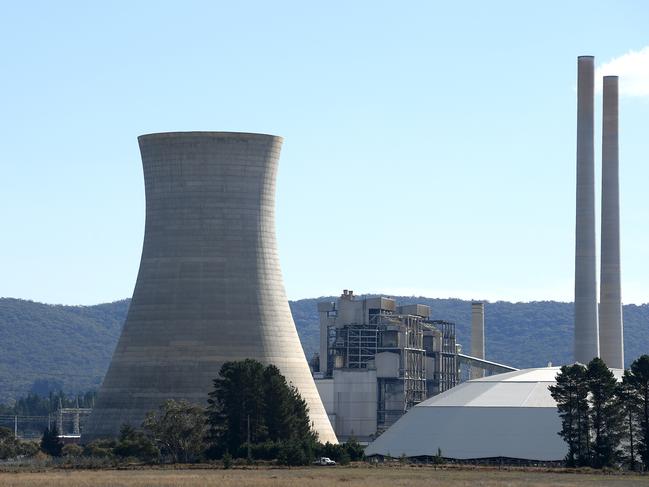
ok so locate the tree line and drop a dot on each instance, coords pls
(34, 404)
(605, 423)
(252, 414)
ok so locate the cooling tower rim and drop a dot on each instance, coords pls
(203, 133)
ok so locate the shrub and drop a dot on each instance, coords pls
(438, 459)
(354, 449)
(227, 460)
(133, 443)
(8, 444)
(28, 448)
(99, 448)
(72, 451)
(294, 453)
(344, 459)
(342, 453)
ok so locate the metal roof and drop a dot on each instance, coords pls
(506, 415)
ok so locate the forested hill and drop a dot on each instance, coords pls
(46, 346)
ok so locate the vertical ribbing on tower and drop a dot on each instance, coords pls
(586, 324)
(611, 328)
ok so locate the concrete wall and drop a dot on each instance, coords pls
(326, 391)
(355, 398)
(387, 365)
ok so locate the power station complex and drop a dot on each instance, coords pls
(209, 290)
(513, 415)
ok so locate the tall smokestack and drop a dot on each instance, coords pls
(477, 337)
(586, 328)
(610, 323)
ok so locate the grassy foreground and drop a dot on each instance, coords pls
(321, 476)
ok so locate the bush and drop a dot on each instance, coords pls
(355, 450)
(294, 453)
(343, 459)
(439, 458)
(8, 444)
(28, 448)
(72, 451)
(133, 443)
(227, 460)
(99, 448)
(342, 453)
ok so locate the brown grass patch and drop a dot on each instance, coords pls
(316, 477)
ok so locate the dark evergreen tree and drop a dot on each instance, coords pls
(605, 414)
(253, 409)
(571, 395)
(279, 402)
(235, 412)
(638, 380)
(51, 443)
(301, 427)
(629, 405)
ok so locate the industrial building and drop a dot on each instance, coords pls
(209, 288)
(513, 415)
(508, 415)
(377, 360)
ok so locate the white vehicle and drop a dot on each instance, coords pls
(324, 461)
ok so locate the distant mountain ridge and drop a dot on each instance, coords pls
(43, 345)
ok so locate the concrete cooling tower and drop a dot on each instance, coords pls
(209, 288)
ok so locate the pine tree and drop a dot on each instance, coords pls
(252, 404)
(235, 411)
(571, 395)
(606, 418)
(629, 405)
(638, 380)
(51, 443)
(279, 403)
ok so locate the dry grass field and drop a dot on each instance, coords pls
(320, 477)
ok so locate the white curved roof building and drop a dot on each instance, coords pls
(506, 415)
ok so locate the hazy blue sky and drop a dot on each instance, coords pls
(429, 147)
